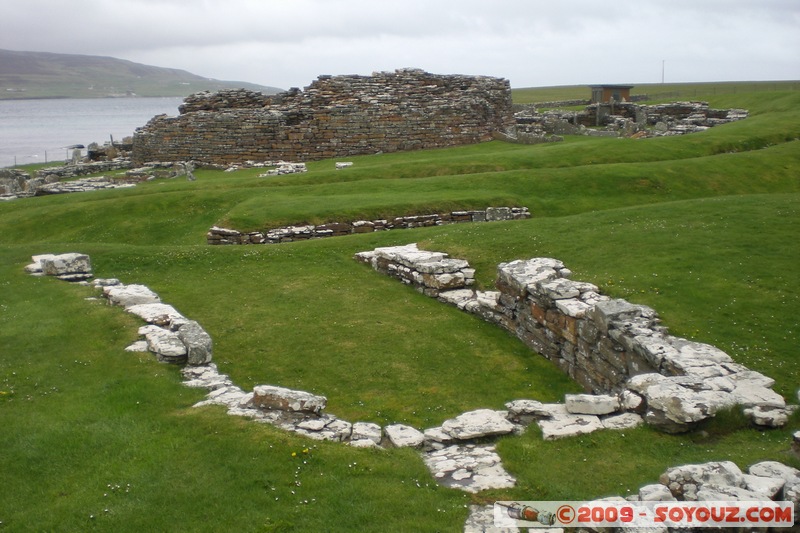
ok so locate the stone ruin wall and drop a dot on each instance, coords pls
(626, 118)
(217, 235)
(333, 117)
(608, 346)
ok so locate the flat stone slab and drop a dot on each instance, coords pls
(269, 397)
(160, 314)
(166, 344)
(773, 469)
(402, 436)
(478, 424)
(622, 421)
(767, 487)
(471, 468)
(128, 295)
(367, 431)
(590, 404)
(568, 425)
(231, 396)
(138, 346)
(655, 493)
(70, 266)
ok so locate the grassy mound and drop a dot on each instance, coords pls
(702, 228)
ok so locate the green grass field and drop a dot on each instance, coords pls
(703, 228)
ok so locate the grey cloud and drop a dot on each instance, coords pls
(285, 43)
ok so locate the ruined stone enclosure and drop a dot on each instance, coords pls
(335, 116)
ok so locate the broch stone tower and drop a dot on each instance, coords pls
(335, 116)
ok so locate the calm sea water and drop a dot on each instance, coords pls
(38, 131)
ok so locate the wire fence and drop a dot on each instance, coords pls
(55, 155)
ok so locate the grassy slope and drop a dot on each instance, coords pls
(702, 228)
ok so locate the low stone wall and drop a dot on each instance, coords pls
(456, 453)
(626, 118)
(15, 183)
(609, 346)
(217, 235)
(335, 116)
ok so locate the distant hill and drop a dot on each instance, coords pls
(49, 75)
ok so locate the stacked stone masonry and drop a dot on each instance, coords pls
(456, 452)
(624, 118)
(217, 235)
(609, 346)
(334, 116)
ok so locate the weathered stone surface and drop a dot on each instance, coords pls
(158, 313)
(749, 395)
(568, 425)
(528, 407)
(477, 424)
(590, 404)
(269, 397)
(714, 493)
(622, 421)
(470, 468)
(205, 377)
(229, 396)
(605, 345)
(137, 346)
(773, 469)
(766, 487)
(402, 436)
(655, 493)
(675, 405)
(336, 116)
(481, 520)
(71, 266)
(164, 343)
(519, 275)
(767, 416)
(128, 295)
(791, 493)
(367, 431)
(684, 481)
(105, 282)
(199, 347)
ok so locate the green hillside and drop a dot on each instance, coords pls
(703, 228)
(48, 75)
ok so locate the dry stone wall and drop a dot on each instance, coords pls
(334, 116)
(625, 118)
(217, 235)
(456, 453)
(609, 346)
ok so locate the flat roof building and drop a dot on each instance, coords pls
(604, 93)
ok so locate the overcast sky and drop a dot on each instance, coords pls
(288, 43)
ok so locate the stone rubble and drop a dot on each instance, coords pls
(620, 119)
(471, 468)
(285, 167)
(766, 481)
(218, 236)
(16, 183)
